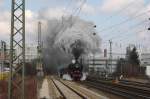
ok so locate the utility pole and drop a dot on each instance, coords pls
(39, 49)
(17, 40)
(110, 55)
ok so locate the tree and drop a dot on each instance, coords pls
(133, 63)
(130, 65)
(134, 57)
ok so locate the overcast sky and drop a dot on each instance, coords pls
(122, 21)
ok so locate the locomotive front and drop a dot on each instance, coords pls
(75, 70)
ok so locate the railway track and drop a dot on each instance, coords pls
(126, 91)
(134, 83)
(66, 91)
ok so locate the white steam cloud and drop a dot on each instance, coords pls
(61, 34)
(76, 29)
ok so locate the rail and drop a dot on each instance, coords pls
(117, 89)
(70, 88)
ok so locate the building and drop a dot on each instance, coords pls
(145, 59)
(4, 56)
(31, 52)
(101, 62)
(102, 65)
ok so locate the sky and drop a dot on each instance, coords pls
(122, 21)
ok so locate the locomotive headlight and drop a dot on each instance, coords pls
(73, 61)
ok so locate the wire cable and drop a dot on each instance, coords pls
(121, 10)
(125, 21)
(129, 29)
(78, 10)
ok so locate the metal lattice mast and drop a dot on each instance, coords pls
(39, 65)
(110, 56)
(3, 52)
(39, 34)
(17, 43)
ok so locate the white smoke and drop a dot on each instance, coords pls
(67, 77)
(60, 34)
(148, 71)
(84, 76)
(76, 29)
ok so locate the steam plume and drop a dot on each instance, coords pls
(66, 38)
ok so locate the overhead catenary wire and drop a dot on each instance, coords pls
(114, 30)
(127, 40)
(131, 36)
(78, 10)
(67, 6)
(125, 21)
(128, 30)
(120, 24)
(125, 37)
(69, 15)
(121, 10)
(115, 38)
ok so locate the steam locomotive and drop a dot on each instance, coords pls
(75, 70)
